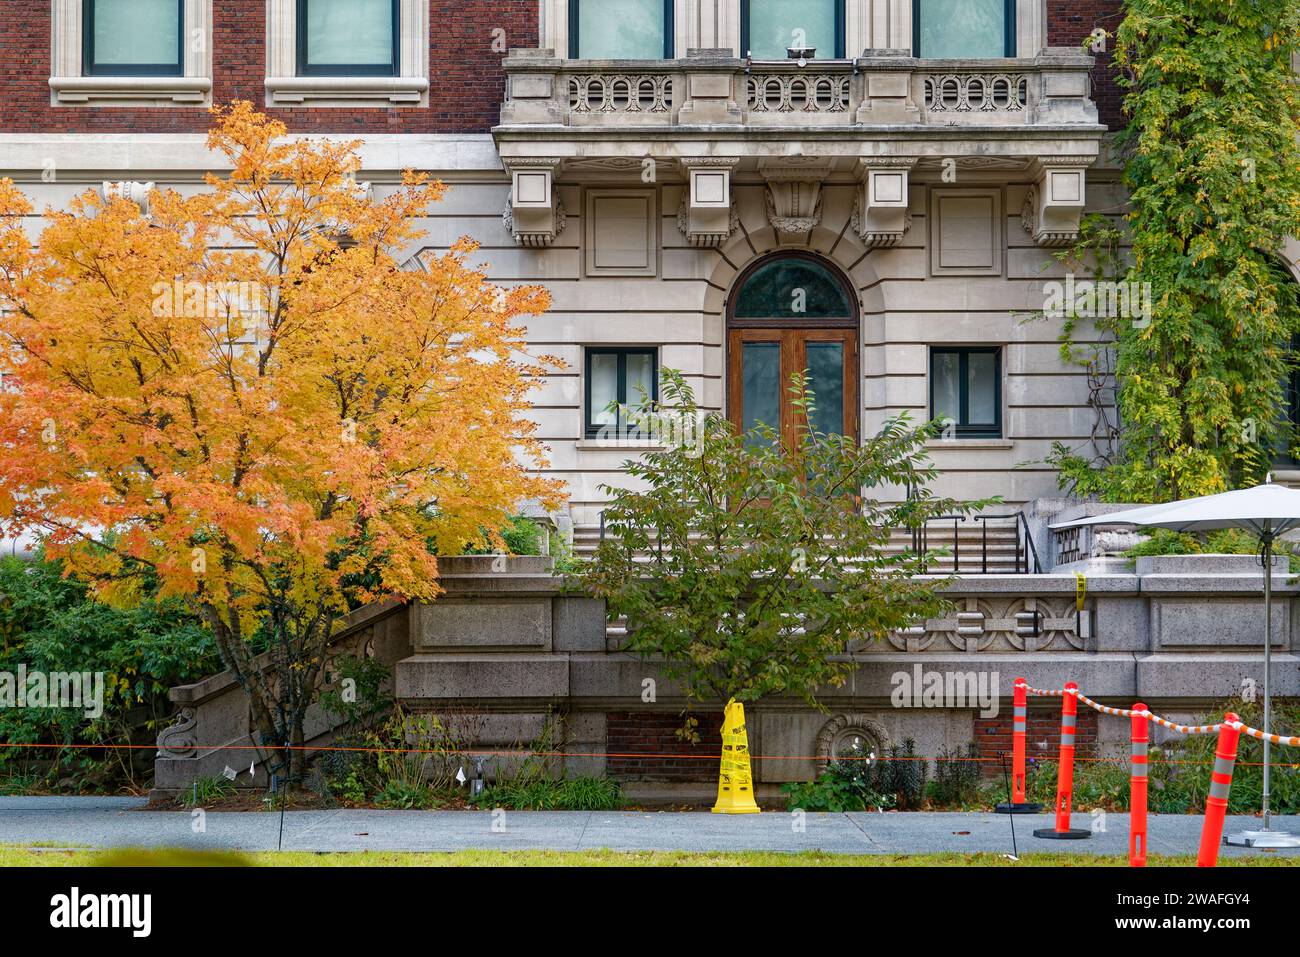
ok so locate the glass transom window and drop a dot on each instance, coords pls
(964, 29)
(794, 288)
(347, 37)
(771, 28)
(621, 29)
(132, 37)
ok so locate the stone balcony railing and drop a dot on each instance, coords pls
(880, 88)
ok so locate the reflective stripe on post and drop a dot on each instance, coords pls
(1065, 775)
(1137, 829)
(1216, 805)
(1019, 717)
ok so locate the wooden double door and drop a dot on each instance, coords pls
(760, 363)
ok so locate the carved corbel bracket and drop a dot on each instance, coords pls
(880, 215)
(708, 214)
(137, 193)
(534, 215)
(794, 195)
(1054, 204)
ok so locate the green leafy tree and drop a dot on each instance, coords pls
(1214, 175)
(49, 622)
(749, 569)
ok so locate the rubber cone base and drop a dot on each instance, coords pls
(1009, 808)
(750, 808)
(1052, 834)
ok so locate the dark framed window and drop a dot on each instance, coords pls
(621, 29)
(770, 28)
(133, 37)
(964, 29)
(966, 390)
(625, 376)
(348, 37)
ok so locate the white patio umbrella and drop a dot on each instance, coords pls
(1267, 511)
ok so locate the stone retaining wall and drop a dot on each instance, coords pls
(507, 642)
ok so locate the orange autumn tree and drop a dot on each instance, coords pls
(250, 397)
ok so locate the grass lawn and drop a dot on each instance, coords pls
(36, 856)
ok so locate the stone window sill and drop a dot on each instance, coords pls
(970, 444)
(619, 445)
(346, 90)
(89, 90)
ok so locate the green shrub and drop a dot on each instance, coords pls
(49, 623)
(521, 536)
(841, 787)
(206, 791)
(406, 795)
(901, 775)
(956, 777)
(573, 794)
(590, 794)
(1162, 541)
(405, 760)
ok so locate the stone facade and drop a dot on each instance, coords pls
(641, 193)
(936, 188)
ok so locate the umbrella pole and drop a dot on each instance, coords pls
(1266, 837)
(1268, 659)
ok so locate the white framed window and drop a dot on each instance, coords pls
(837, 28)
(131, 52)
(964, 29)
(621, 29)
(347, 52)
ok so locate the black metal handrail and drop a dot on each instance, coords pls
(1026, 557)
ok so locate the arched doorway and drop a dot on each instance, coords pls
(788, 312)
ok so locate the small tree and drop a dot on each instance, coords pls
(750, 569)
(254, 398)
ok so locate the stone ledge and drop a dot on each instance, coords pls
(110, 90)
(491, 676)
(1214, 677)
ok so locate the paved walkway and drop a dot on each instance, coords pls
(117, 822)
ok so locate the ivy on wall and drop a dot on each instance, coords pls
(1213, 170)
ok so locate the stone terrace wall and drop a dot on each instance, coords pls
(1179, 633)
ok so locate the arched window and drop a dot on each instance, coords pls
(788, 313)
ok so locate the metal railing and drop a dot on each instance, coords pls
(1026, 553)
(1025, 559)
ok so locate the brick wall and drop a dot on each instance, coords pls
(466, 82)
(654, 734)
(1042, 738)
(1068, 22)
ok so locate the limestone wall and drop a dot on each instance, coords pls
(512, 647)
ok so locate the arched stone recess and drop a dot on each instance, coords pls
(835, 241)
(866, 734)
(1291, 253)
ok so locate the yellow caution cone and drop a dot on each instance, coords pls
(735, 782)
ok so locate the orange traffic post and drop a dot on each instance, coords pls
(1216, 805)
(1137, 801)
(1065, 774)
(1019, 716)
